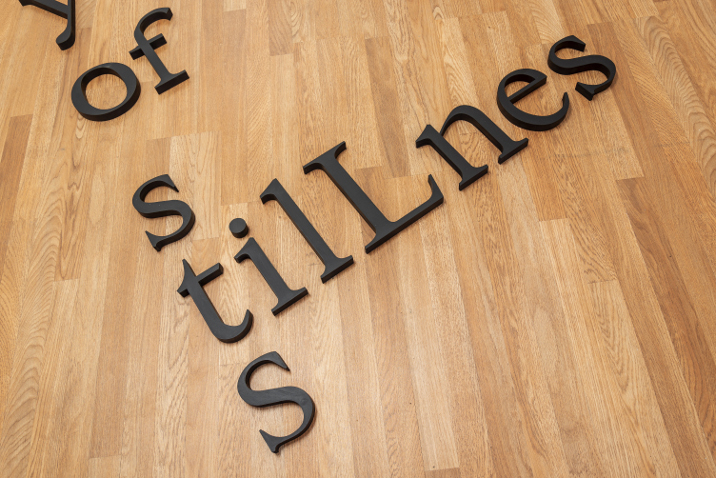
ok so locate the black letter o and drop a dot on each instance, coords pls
(124, 73)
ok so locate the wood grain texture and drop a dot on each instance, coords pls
(557, 318)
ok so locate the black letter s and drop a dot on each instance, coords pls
(585, 63)
(276, 396)
(162, 209)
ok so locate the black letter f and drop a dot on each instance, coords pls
(147, 47)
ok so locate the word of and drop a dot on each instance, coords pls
(144, 47)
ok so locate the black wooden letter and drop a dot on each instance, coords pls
(67, 37)
(334, 265)
(285, 295)
(162, 209)
(193, 286)
(146, 48)
(384, 229)
(486, 126)
(276, 396)
(124, 73)
(536, 79)
(577, 65)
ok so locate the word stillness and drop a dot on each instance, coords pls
(193, 285)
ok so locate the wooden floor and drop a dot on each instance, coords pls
(556, 318)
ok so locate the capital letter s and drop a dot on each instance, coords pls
(276, 396)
